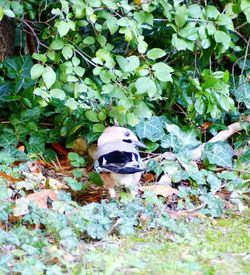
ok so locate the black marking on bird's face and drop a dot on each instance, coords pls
(127, 140)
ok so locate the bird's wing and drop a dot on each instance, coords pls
(118, 158)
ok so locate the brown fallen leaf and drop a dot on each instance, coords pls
(79, 146)
(148, 177)
(41, 198)
(160, 190)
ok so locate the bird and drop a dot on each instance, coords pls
(118, 161)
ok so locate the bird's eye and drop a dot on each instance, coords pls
(127, 134)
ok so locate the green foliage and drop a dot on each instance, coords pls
(164, 68)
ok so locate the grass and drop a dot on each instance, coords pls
(208, 246)
(217, 247)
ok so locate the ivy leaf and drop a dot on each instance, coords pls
(74, 184)
(179, 140)
(49, 76)
(36, 71)
(155, 53)
(145, 85)
(242, 94)
(8, 138)
(151, 129)
(163, 71)
(214, 182)
(219, 153)
(36, 144)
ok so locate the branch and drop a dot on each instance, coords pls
(221, 136)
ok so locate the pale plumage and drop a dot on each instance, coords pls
(117, 159)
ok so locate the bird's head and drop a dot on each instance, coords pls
(114, 134)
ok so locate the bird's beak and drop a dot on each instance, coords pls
(139, 144)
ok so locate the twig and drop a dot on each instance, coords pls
(34, 34)
(221, 136)
(245, 59)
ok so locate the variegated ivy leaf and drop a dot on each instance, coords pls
(219, 153)
(151, 129)
(179, 140)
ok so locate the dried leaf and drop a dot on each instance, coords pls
(55, 184)
(41, 198)
(33, 167)
(160, 190)
(80, 146)
(59, 149)
(148, 177)
(92, 151)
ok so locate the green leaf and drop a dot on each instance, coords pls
(163, 71)
(49, 76)
(214, 182)
(57, 44)
(211, 11)
(245, 7)
(92, 116)
(145, 85)
(63, 28)
(151, 129)
(71, 103)
(155, 53)
(67, 52)
(89, 40)
(74, 184)
(142, 46)
(112, 24)
(245, 157)
(224, 38)
(225, 20)
(8, 138)
(144, 17)
(179, 140)
(98, 128)
(95, 178)
(179, 43)
(242, 94)
(181, 16)
(76, 160)
(39, 57)
(219, 153)
(36, 71)
(1, 13)
(194, 11)
(58, 93)
(9, 13)
(79, 71)
(129, 64)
